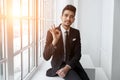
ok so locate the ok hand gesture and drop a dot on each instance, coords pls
(56, 34)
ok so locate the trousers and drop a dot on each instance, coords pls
(72, 75)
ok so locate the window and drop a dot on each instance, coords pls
(18, 38)
(24, 37)
(23, 27)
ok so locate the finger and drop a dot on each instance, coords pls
(57, 31)
(53, 26)
(50, 30)
(57, 72)
(62, 74)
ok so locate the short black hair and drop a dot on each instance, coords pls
(69, 7)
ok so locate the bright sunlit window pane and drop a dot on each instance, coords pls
(16, 33)
(22, 14)
(39, 32)
(17, 67)
(24, 33)
(31, 31)
(32, 58)
(24, 7)
(25, 62)
(39, 8)
(42, 29)
(1, 6)
(16, 8)
(31, 7)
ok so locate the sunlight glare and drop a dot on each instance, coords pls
(17, 10)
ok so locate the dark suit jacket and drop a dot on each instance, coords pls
(57, 54)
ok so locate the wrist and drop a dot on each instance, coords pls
(67, 67)
(54, 42)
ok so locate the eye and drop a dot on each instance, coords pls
(66, 15)
(71, 16)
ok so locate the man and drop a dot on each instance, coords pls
(64, 47)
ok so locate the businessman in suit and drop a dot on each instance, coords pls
(64, 47)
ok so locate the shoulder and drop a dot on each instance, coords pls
(74, 30)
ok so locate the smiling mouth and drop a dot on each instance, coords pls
(68, 22)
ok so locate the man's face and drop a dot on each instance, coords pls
(67, 18)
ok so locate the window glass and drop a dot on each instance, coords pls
(32, 58)
(25, 7)
(2, 72)
(16, 35)
(16, 8)
(24, 33)
(31, 8)
(32, 28)
(25, 63)
(17, 67)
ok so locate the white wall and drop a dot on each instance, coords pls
(96, 26)
(90, 22)
(107, 36)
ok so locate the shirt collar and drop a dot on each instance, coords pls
(63, 30)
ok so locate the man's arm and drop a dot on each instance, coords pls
(53, 36)
(49, 48)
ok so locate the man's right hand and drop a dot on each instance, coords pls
(55, 33)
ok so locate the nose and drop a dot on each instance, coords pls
(68, 18)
